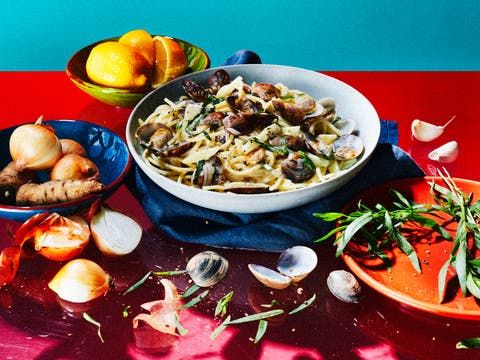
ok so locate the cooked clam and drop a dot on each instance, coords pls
(153, 135)
(194, 91)
(218, 79)
(305, 102)
(297, 168)
(293, 265)
(346, 126)
(269, 277)
(289, 112)
(265, 91)
(344, 286)
(214, 119)
(209, 172)
(297, 262)
(347, 147)
(207, 268)
(173, 150)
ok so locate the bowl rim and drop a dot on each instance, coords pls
(78, 80)
(229, 195)
(113, 185)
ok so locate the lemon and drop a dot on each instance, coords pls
(118, 65)
(141, 41)
(170, 60)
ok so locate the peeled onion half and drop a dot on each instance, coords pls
(114, 233)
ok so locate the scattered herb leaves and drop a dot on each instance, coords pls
(471, 343)
(306, 160)
(137, 284)
(181, 330)
(126, 311)
(220, 328)
(222, 304)
(94, 322)
(195, 300)
(272, 304)
(303, 305)
(261, 330)
(191, 290)
(281, 150)
(169, 273)
(257, 316)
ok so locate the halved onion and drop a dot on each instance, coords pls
(114, 233)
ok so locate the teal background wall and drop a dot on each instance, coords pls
(323, 35)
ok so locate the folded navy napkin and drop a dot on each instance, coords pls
(269, 231)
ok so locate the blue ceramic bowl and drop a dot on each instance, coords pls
(105, 148)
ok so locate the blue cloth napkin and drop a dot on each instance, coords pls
(270, 231)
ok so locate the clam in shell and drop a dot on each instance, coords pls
(344, 286)
(269, 277)
(207, 268)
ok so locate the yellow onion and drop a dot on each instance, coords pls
(34, 147)
(72, 147)
(75, 167)
(79, 281)
(64, 239)
(114, 233)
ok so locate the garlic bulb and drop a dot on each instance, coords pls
(72, 147)
(424, 131)
(79, 281)
(447, 153)
(34, 147)
(114, 233)
(75, 167)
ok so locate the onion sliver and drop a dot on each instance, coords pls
(114, 233)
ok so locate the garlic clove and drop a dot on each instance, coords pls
(424, 131)
(114, 233)
(447, 153)
(79, 281)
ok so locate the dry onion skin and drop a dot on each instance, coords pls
(34, 147)
(114, 233)
(72, 147)
(79, 281)
(75, 167)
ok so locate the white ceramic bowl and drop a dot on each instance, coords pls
(350, 103)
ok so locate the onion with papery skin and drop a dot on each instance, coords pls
(114, 233)
(64, 239)
(34, 147)
(79, 281)
(75, 167)
(72, 147)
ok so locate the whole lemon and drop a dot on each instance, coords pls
(118, 65)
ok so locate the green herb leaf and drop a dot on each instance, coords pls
(256, 317)
(261, 330)
(352, 229)
(95, 323)
(272, 304)
(181, 330)
(306, 160)
(472, 343)
(329, 216)
(442, 275)
(282, 150)
(331, 232)
(126, 311)
(138, 283)
(473, 285)
(195, 300)
(303, 305)
(191, 290)
(220, 328)
(169, 273)
(197, 171)
(222, 304)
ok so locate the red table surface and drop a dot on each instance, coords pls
(33, 325)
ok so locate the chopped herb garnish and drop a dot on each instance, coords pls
(287, 97)
(220, 328)
(191, 290)
(181, 330)
(169, 273)
(261, 330)
(206, 135)
(303, 305)
(256, 317)
(282, 150)
(306, 160)
(195, 300)
(197, 171)
(138, 283)
(192, 124)
(222, 304)
(126, 311)
(472, 343)
(272, 304)
(94, 322)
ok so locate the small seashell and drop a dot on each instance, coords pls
(447, 153)
(344, 286)
(297, 262)
(269, 277)
(347, 147)
(424, 131)
(345, 126)
(207, 268)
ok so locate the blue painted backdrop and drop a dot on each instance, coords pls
(324, 35)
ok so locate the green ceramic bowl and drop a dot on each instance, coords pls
(197, 60)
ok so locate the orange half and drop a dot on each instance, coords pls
(170, 60)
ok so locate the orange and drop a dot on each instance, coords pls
(142, 42)
(118, 65)
(170, 60)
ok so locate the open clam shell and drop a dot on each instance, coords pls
(347, 147)
(207, 268)
(297, 262)
(269, 277)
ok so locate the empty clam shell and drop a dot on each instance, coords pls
(297, 262)
(344, 286)
(207, 268)
(347, 147)
(447, 153)
(269, 277)
(346, 126)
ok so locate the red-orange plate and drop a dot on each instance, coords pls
(403, 283)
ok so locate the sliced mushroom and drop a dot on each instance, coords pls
(266, 91)
(347, 147)
(194, 91)
(289, 112)
(214, 119)
(209, 172)
(153, 135)
(297, 168)
(218, 79)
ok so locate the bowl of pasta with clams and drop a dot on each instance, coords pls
(252, 138)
